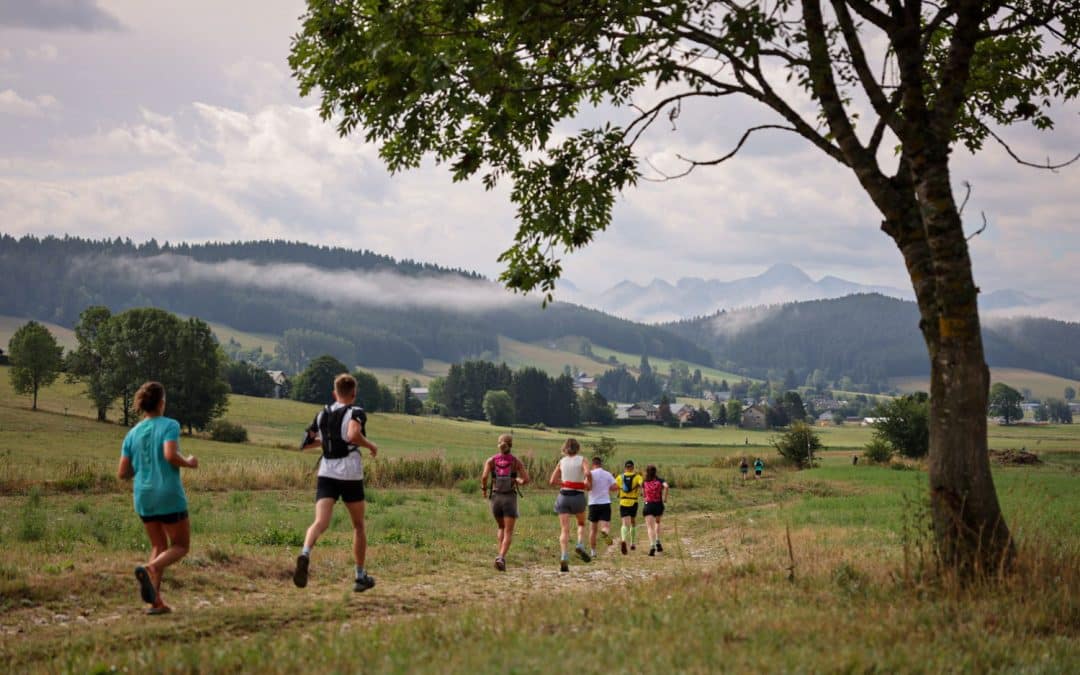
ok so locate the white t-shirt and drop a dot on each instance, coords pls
(601, 484)
(350, 467)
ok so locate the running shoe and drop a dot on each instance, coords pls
(583, 554)
(652, 550)
(299, 576)
(622, 546)
(633, 547)
(659, 547)
(564, 566)
(607, 538)
(500, 564)
(363, 583)
(146, 587)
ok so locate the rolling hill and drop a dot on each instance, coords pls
(868, 338)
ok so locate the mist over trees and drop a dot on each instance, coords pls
(354, 329)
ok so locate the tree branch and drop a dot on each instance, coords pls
(873, 90)
(1045, 167)
(694, 163)
(981, 229)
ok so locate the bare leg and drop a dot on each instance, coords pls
(324, 508)
(650, 525)
(594, 528)
(179, 538)
(359, 546)
(564, 534)
(580, 528)
(657, 528)
(500, 533)
(507, 536)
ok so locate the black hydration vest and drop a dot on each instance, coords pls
(333, 445)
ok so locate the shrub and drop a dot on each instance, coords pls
(499, 408)
(904, 423)
(468, 486)
(228, 432)
(878, 451)
(798, 444)
(604, 449)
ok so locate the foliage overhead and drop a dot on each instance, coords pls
(483, 87)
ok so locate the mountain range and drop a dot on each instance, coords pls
(662, 301)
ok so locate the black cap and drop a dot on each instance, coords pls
(629, 462)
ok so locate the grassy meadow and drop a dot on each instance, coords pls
(803, 571)
(1042, 385)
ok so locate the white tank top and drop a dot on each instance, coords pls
(573, 472)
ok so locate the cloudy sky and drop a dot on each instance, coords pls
(179, 121)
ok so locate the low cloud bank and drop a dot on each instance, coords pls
(384, 289)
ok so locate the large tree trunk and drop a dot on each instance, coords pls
(971, 534)
(101, 414)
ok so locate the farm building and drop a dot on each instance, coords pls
(754, 417)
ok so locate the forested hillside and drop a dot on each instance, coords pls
(377, 324)
(866, 338)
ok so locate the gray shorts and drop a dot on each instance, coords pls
(571, 501)
(504, 505)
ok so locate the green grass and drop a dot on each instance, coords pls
(718, 598)
(1042, 385)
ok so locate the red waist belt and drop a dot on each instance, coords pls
(573, 485)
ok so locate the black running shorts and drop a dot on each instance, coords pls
(654, 509)
(347, 490)
(628, 511)
(166, 518)
(600, 513)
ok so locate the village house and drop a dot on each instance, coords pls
(754, 417)
(280, 381)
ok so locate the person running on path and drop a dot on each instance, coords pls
(656, 494)
(506, 473)
(339, 430)
(759, 466)
(629, 486)
(744, 468)
(603, 484)
(572, 476)
(150, 457)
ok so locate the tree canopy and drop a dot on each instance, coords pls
(1005, 403)
(36, 359)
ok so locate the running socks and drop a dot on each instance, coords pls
(565, 556)
(625, 532)
(633, 535)
(359, 572)
(306, 551)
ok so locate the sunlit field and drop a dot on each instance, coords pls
(854, 592)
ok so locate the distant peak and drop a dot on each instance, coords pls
(785, 273)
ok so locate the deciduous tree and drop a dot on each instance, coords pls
(482, 86)
(36, 359)
(1005, 403)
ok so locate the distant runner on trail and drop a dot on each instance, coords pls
(150, 457)
(573, 476)
(656, 494)
(506, 473)
(629, 485)
(603, 484)
(744, 468)
(339, 430)
(759, 466)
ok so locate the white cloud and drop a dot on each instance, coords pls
(13, 104)
(364, 288)
(45, 53)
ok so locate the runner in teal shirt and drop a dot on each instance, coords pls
(156, 483)
(150, 457)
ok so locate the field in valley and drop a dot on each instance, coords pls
(726, 594)
(1041, 385)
